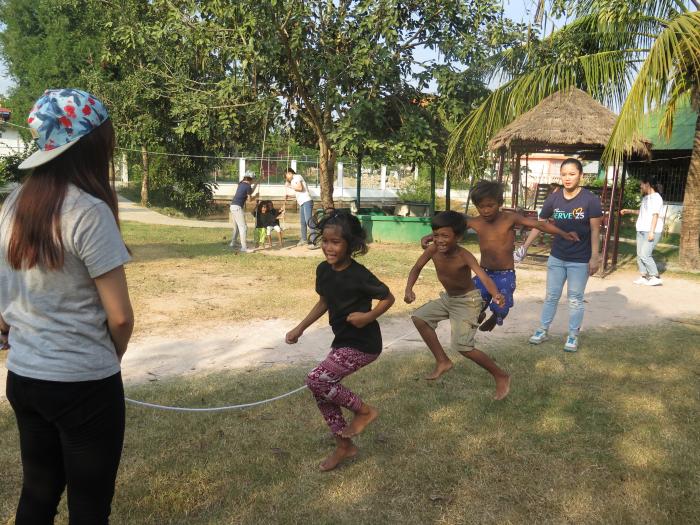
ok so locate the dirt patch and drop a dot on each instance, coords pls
(201, 315)
(610, 302)
(292, 251)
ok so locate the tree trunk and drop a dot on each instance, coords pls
(689, 257)
(327, 175)
(144, 180)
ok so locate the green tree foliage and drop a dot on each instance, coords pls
(8, 168)
(346, 70)
(48, 44)
(105, 47)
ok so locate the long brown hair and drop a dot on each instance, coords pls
(36, 230)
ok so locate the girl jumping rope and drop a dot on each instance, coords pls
(345, 289)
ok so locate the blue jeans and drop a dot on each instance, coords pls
(645, 247)
(559, 272)
(304, 218)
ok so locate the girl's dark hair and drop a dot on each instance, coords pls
(449, 219)
(575, 162)
(350, 227)
(290, 170)
(485, 189)
(36, 231)
(651, 181)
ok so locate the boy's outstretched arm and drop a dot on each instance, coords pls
(409, 296)
(488, 282)
(545, 226)
(320, 308)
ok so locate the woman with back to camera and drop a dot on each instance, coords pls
(65, 306)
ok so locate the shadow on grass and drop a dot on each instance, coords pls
(605, 435)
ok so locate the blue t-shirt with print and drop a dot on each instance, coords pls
(572, 215)
(242, 191)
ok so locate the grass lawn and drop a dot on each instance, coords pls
(189, 275)
(608, 435)
(183, 276)
(605, 436)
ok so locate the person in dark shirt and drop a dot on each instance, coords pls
(574, 209)
(243, 191)
(267, 221)
(346, 290)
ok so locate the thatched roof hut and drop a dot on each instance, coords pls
(566, 122)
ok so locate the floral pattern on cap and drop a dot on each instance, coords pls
(62, 116)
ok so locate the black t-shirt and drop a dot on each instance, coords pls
(269, 218)
(347, 291)
(572, 216)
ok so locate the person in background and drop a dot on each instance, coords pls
(573, 209)
(306, 204)
(259, 232)
(271, 220)
(64, 303)
(650, 226)
(244, 190)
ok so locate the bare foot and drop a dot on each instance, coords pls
(341, 453)
(489, 324)
(362, 418)
(440, 368)
(502, 387)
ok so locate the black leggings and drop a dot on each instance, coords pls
(71, 434)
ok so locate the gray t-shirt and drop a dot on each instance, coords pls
(58, 325)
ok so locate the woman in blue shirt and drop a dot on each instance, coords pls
(572, 209)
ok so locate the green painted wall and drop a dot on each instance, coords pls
(683, 129)
(395, 229)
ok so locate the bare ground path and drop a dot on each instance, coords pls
(614, 301)
(130, 211)
(175, 350)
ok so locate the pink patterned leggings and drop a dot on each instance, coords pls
(324, 383)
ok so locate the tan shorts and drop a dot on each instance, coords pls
(462, 311)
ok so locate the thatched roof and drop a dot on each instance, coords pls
(566, 121)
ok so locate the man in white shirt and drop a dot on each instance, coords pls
(650, 225)
(301, 192)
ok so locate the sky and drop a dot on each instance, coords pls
(518, 10)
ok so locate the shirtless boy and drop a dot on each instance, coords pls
(494, 228)
(461, 302)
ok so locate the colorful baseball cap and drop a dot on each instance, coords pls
(58, 119)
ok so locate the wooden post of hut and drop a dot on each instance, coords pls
(432, 190)
(501, 162)
(608, 218)
(515, 182)
(618, 217)
(447, 193)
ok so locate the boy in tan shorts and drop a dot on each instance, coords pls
(461, 301)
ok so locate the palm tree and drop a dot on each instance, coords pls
(635, 55)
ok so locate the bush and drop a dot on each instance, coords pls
(416, 191)
(631, 198)
(8, 168)
(174, 182)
